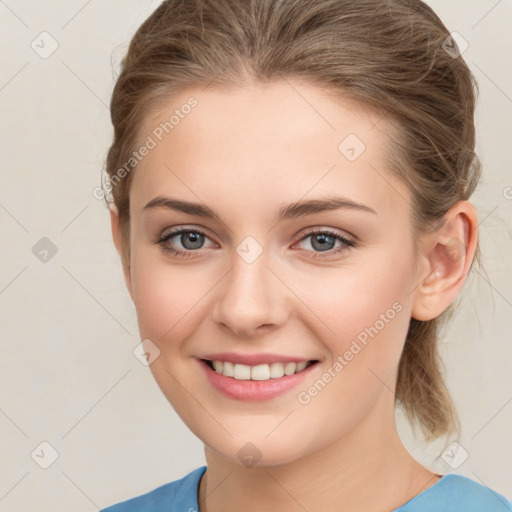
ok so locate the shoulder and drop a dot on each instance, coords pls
(178, 495)
(473, 496)
(457, 493)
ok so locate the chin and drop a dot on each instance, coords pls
(257, 454)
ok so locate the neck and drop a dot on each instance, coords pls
(368, 468)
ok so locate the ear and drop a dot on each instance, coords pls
(118, 242)
(446, 255)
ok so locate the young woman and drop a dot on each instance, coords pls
(289, 186)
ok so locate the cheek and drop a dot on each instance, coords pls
(347, 302)
(166, 296)
(364, 321)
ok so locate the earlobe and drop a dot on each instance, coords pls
(449, 253)
(118, 243)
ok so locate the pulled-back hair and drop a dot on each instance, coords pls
(391, 55)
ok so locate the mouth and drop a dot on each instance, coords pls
(260, 372)
(255, 383)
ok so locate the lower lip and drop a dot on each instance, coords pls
(253, 390)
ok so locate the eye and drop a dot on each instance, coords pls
(322, 241)
(325, 240)
(191, 239)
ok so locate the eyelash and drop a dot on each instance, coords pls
(347, 244)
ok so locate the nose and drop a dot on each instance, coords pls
(251, 300)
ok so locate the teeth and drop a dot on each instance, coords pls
(242, 372)
(290, 368)
(259, 372)
(301, 366)
(276, 370)
(227, 369)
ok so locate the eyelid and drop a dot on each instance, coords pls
(334, 231)
(185, 227)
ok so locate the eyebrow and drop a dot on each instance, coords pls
(290, 211)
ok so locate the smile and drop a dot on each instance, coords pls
(260, 382)
(259, 372)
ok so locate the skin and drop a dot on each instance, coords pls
(245, 152)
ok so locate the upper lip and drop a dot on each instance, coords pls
(253, 359)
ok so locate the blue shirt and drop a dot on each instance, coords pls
(451, 493)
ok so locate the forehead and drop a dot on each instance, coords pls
(263, 141)
(286, 109)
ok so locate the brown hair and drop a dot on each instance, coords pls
(387, 54)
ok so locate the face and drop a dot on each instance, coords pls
(241, 283)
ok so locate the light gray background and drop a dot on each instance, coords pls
(68, 375)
